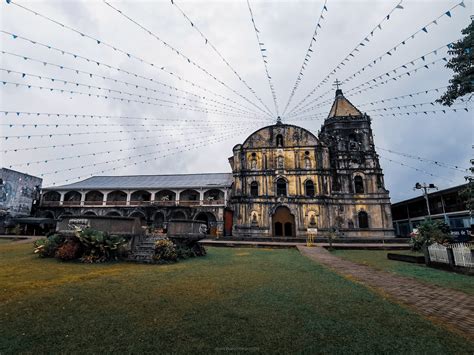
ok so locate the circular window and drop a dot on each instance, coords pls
(254, 155)
(306, 153)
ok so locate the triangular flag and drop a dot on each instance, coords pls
(424, 29)
(448, 13)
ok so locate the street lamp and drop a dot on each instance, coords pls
(425, 187)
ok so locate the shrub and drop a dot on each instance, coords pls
(99, 246)
(430, 232)
(46, 247)
(165, 251)
(71, 249)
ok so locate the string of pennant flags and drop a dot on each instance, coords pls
(444, 110)
(181, 54)
(183, 106)
(130, 84)
(399, 107)
(411, 95)
(110, 97)
(91, 116)
(106, 162)
(181, 149)
(226, 62)
(99, 63)
(374, 82)
(431, 161)
(350, 55)
(371, 84)
(390, 52)
(264, 55)
(417, 169)
(95, 153)
(307, 57)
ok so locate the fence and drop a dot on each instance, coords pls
(462, 254)
(438, 253)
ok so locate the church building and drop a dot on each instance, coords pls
(284, 181)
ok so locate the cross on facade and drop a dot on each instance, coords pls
(337, 84)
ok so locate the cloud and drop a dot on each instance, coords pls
(285, 28)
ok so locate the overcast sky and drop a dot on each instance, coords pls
(285, 28)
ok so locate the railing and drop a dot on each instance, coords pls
(93, 203)
(136, 203)
(72, 203)
(116, 203)
(213, 202)
(50, 203)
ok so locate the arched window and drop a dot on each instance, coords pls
(359, 185)
(280, 162)
(281, 187)
(309, 188)
(279, 140)
(307, 163)
(254, 189)
(363, 219)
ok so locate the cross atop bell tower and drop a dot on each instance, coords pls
(337, 84)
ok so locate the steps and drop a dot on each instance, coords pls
(144, 250)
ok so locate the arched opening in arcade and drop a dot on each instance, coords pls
(210, 220)
(140, 197)
(283, 223)
(94, 198)
(72, 198)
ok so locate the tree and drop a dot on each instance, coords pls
(461, 63)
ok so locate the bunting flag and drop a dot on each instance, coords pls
(306, 57)
(130, 56)
(265, 63)
(201, 98)
(417, 169)
(74, 116)
(424, 113)
(109, 97)
(189, 60)
(421, 159)
(196, 134)
(155, 154)
(411, 95)
(226, 62)
(365, 39)
(77, 84)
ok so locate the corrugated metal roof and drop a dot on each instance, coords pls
(150, 182)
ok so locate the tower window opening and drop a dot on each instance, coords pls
(281, 187)
(279, 140)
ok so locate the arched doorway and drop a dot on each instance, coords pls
(283, 223)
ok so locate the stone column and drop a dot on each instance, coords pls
(61, 199)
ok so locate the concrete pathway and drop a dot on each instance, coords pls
(449, 307)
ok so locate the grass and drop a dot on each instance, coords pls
(378, 259)
(233, 299)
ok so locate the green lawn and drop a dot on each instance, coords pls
(241, 299)
(378, 259)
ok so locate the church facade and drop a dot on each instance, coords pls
(285, 181)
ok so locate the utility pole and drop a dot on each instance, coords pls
(425, 187)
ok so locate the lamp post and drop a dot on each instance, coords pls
(425, 187)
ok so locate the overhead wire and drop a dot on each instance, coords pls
(263, 52)
(307, 56)
(213, 47)
(189, 60)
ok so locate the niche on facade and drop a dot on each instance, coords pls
(280, 162)
(254, 219)
(312, 219)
